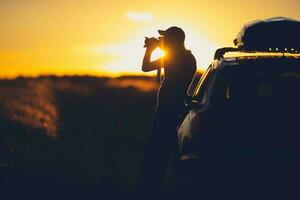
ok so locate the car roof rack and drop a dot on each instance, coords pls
(219, 54)
(222, 51)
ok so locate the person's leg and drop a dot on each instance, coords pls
(157, 150)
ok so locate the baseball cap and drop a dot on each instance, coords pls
(173, 32)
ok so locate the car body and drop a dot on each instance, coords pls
(241, 133)
(243, 120)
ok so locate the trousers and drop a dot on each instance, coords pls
(157, 151)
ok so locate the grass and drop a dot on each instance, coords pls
(78, 130)
(74, 133)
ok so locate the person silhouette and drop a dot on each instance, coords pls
(179, 67)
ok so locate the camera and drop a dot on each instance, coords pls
(153, 42)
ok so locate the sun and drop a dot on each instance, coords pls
(157, 53)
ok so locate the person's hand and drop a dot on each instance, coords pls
(151, 43)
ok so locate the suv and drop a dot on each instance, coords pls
(242, 131)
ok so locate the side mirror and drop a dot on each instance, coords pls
(191, 103)
(188, 100)
(194, 105)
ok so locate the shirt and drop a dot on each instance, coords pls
(179, 71)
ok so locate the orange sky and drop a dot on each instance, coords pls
(100, 37)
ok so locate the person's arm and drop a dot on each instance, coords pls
(149, 65)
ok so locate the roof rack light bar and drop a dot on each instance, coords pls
(219, 54)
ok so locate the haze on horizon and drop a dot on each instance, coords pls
(105, 38)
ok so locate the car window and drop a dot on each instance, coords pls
(256, 86)
(201, 91)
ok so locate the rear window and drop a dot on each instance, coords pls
(246, 85)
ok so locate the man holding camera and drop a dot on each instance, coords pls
(179, 69)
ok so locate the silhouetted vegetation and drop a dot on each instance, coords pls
(73, 134)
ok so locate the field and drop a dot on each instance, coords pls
(73, 135)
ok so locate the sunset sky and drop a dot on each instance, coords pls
(105, 37)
